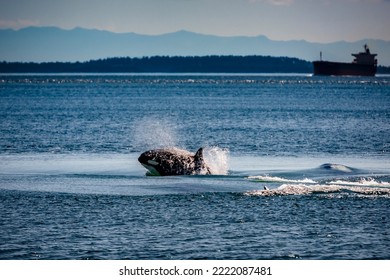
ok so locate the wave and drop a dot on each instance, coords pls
(274, 179)
(336, 167)
(301, 189)
(368, 182)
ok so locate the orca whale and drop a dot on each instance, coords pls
(173, 161)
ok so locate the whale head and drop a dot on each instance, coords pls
(173, 161)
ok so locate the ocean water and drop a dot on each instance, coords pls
(301, 167)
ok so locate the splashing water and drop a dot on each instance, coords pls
(154, 132)
(217, 160)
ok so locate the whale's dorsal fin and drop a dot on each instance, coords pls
(200, 165)
(199, 155)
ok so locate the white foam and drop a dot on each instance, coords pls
(368, 182)
(275, 179)
(301, 189)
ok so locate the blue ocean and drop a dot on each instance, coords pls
(300, 167)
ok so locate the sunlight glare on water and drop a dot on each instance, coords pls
(302, 164)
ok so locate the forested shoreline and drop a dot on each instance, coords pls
(174, 64)
(166, 64)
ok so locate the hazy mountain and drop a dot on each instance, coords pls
(48, 44)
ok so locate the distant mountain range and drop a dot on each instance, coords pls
(51, 44)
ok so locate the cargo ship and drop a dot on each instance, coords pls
(364, 64)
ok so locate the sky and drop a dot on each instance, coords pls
(311, 20)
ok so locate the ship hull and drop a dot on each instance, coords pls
(328, 68)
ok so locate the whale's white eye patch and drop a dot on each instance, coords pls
(152, 162)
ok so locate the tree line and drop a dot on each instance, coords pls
(168, 64)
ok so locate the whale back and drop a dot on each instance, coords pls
(173, 161)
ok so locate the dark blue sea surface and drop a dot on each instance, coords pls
(301, 167)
